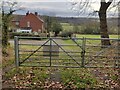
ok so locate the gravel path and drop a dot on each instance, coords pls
(59, 41)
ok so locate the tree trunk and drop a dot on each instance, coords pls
(4, 39)
(5, 26)
(103, 22)
(103, 28)
(56, 34)
(5, 36)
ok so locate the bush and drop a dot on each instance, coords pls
(90, 30)
(66, 34)
(21, 34)
(56, 27)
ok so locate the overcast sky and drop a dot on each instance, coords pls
(61, 8)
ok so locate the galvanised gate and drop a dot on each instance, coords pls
(66, 52)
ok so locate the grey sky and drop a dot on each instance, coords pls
(54, 7)
(48, 8)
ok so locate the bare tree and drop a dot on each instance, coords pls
(102, 12)
(8, 8)
(103, 22)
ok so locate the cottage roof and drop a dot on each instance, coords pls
(37, 16)
(19, 17)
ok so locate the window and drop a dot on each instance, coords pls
(39, 30)
(28, 24)
(17, 23)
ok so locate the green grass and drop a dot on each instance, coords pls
(65, 24)
(66, 48)
(8, 60)
(67, 27)
(81, 28)
(93, 36)
(94, 42)
(37, 77)
(75, 79)
(70, 78)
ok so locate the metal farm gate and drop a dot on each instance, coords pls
(65, 52)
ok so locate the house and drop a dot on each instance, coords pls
(30, 23)
(15, 22)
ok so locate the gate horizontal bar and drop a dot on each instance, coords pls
(63, 66)
(48, 44)
(21, 37)
(84, 55)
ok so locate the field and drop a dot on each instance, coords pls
(59, 77)
(94, 36)
(88, 28)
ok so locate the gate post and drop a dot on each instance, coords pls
(50, 50)
(16, 42)
(83, 52)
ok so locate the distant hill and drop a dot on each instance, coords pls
(73, 20)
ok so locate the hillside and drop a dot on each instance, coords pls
(73, 20)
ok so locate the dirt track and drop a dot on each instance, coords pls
(34, 41)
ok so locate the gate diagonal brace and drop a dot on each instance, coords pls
(66, 53)
(73, 39)
(82, 52)
(34, 52)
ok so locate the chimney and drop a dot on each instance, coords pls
(36, 13)
(27, 13)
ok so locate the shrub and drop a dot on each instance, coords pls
(21, 34)
(66, 34)
(56, 27)
(91, 30)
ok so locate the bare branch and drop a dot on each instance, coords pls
(108, 3)
(93, 13)
(80, 6)
(114, 5)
